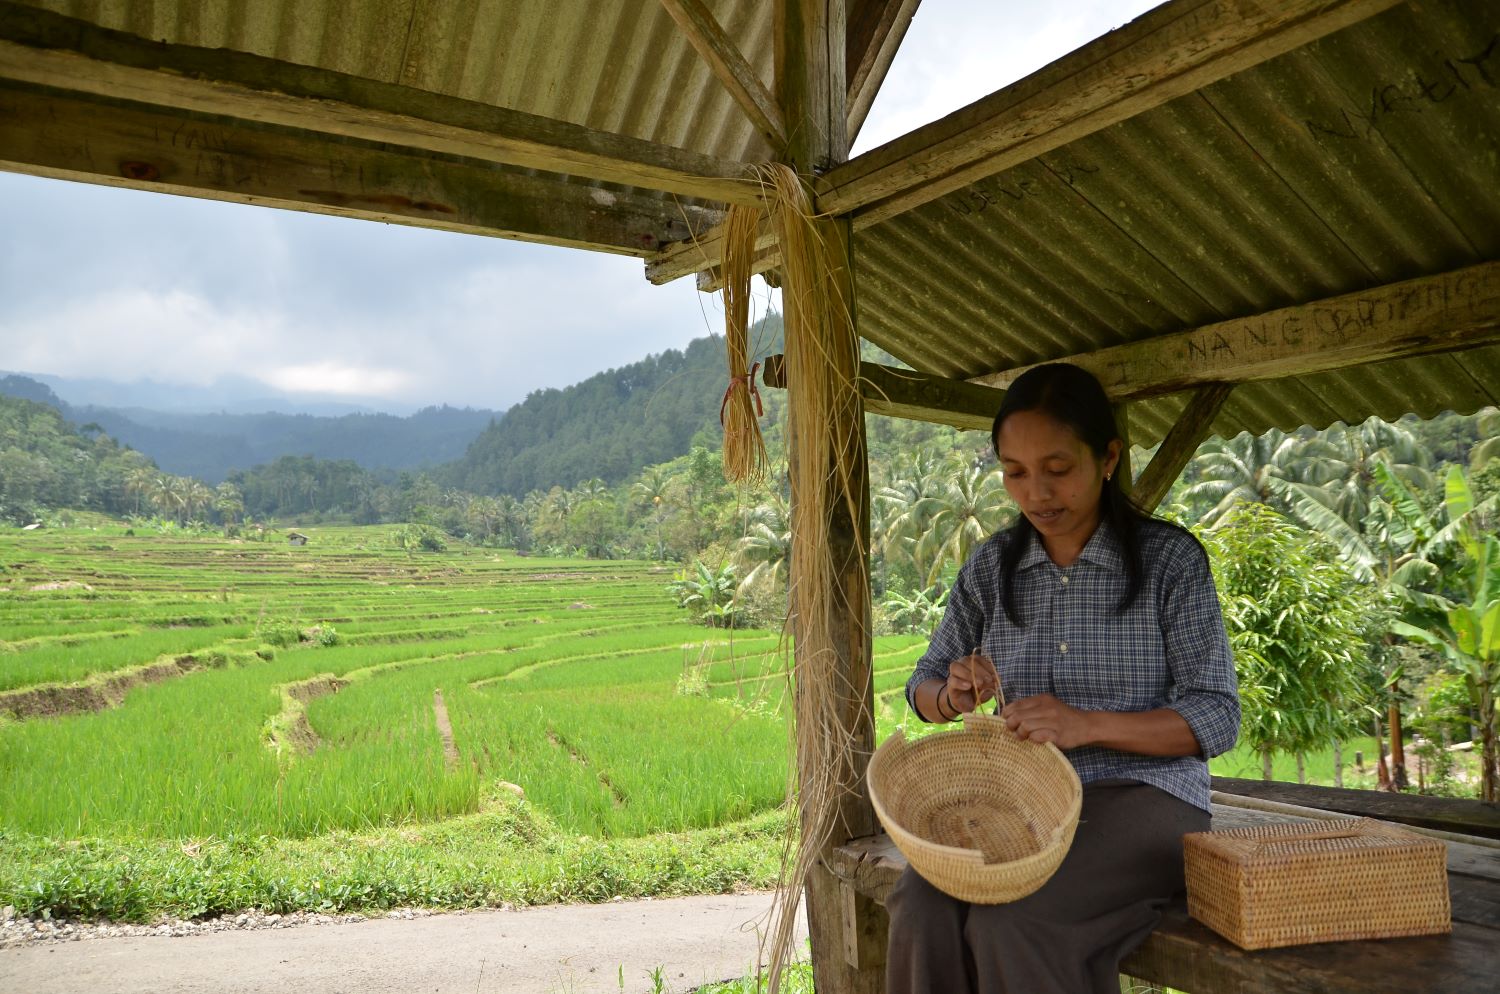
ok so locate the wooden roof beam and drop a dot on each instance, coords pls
(1175, 49)
(67, 137)
(46, 49)
(729, 65)
(1424, 316)
(906, 393)
(875, 30)
(1431, 314)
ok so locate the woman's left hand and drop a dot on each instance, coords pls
(1044, 718)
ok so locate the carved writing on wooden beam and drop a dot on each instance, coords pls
(1431, 314)
(1331, 325)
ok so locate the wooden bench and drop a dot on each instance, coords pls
(1183, 954)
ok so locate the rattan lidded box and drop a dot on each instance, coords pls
(1287, 884)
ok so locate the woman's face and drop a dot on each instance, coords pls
(1053, 477)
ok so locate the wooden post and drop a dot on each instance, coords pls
(846, 931)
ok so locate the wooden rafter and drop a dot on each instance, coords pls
(876, 28)
(1175, 49)
(729, 65)
(46, 49)
(69, 137)
(1423, 316)
(1191, 428)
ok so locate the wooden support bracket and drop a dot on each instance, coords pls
(1182, 441)
(865, 927)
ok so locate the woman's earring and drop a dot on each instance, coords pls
(1108, 477)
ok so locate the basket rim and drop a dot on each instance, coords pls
(897, 743)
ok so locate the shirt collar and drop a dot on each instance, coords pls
(1102, 549)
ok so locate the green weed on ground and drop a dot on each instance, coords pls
(507, 854)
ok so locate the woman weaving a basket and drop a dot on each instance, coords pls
(1104, 630)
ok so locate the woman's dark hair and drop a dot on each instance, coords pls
(1073, 397)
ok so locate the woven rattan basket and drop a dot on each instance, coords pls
(981, 815)
(1288, 884)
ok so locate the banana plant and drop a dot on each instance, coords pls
(1465, 627)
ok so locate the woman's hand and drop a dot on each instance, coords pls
(1044, 718)
(971, 681)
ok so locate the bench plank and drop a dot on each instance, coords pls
(1448, 814)
(1187, 955)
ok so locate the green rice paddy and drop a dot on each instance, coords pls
(313, 701)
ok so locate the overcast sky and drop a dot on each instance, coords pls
(125, 285)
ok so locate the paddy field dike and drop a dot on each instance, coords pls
(193, 726)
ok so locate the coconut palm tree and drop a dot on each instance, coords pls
(1341, 476)
(904, 505)
(140, 482)
(167, 495)
(650, 491)
(514, 522)
(482, 514)
(230, 504)
(595, 489)
(766, 547)
(1246, 468)
(196, 497)
(1488, 446)
(969, 509)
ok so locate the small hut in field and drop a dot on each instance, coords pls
(1240, 215)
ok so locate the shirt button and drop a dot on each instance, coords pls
(1064, 581)
(1062, 647)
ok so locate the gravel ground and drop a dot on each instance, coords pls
(670, 945)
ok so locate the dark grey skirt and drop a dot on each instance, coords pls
(1124, 865)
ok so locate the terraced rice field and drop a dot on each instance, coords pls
(156, 688)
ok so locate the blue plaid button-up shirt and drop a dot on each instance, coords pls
(1167, 650)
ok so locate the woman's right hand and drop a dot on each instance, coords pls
(972, 680)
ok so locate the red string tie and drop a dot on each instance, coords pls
(749, 380)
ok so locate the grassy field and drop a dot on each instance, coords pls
(192, 726)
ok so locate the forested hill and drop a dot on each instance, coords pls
(210, 446)
(609, 426)
(46, 462)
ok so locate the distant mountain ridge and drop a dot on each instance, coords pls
(211, 446)
(609, 426)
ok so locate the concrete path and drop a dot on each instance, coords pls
(569, 949)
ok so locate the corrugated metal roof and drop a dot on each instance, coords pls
(1369, 157)
(625, 68)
